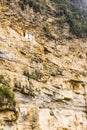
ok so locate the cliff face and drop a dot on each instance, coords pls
(46, 68)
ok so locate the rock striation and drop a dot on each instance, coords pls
(48, 76)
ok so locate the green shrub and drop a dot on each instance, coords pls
(36, 74)
(78, 28)
(26, 73)
(47, 28)
(62, 20)
(7, 99)
(36, 5)
(6, 92)
(37, 59)
(3, 81)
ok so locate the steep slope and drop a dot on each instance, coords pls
(45, 67)
(75, 13)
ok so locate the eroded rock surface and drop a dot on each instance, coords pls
(48, 78)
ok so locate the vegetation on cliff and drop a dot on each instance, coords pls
(6, 94)
(73, 12)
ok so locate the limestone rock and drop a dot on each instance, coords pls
(48, 74)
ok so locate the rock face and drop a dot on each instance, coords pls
(48, 78)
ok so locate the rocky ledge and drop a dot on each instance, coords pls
(47, 76)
